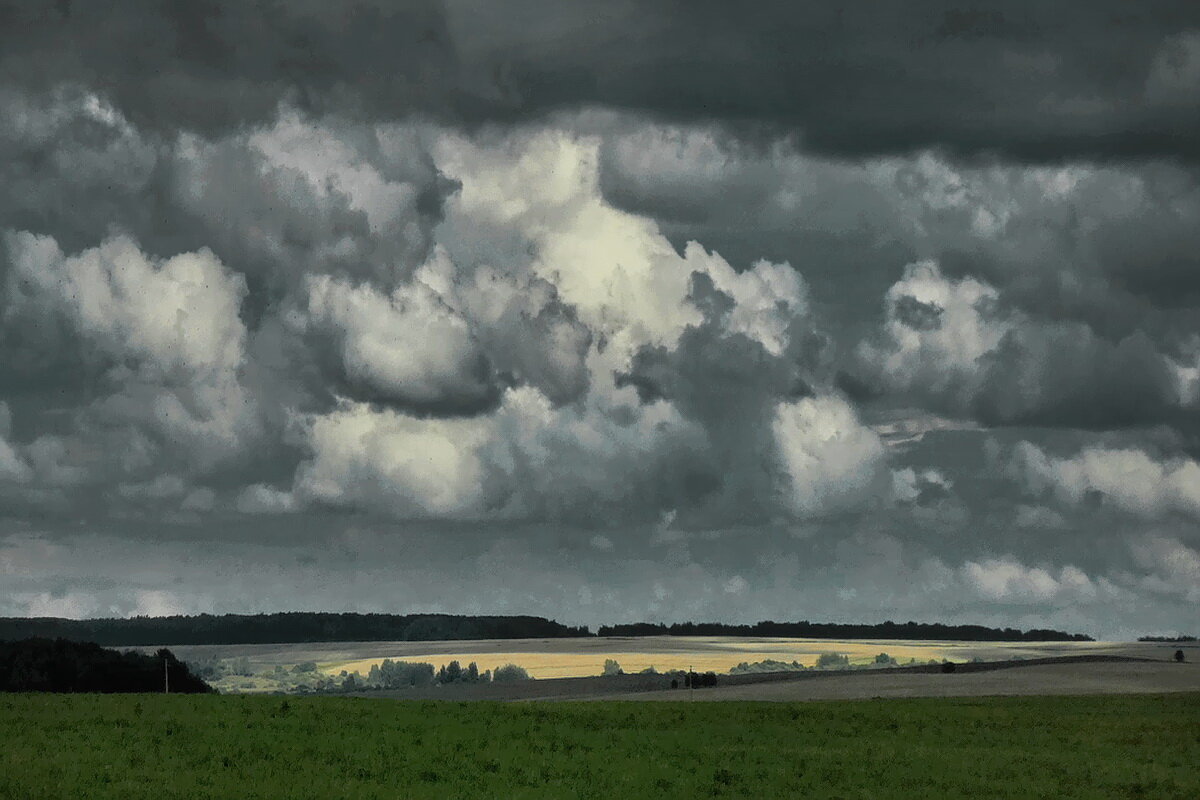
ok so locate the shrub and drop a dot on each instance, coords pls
(401, 674)
(833, 661)
(509, 672)
(239, 666)
(209, 669)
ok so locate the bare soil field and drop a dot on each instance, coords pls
(1057, 675)
(1066, 678)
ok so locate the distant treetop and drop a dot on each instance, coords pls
(304, 626)
(45, 665)
(300, 626)
(836, 630)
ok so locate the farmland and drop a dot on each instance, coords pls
(155, 746)
(260, 664)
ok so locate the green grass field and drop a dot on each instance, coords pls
(154, 746)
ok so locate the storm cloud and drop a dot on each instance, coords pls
(1019, 79)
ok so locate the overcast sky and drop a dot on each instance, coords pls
(603, 311)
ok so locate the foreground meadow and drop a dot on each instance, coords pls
(154, 746)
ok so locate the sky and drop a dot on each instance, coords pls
(656, 311)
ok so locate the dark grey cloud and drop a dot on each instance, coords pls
(71, 166)
(1025, 80)
(300, 197)
(1112, 246)
(953, 344)
(1065, 328)
(214, 66)
(961, 556)
(1068, 376)
(729, 383)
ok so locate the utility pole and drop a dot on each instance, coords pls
(691, 683)
(166, 677)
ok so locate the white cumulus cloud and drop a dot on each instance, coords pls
(830, 459)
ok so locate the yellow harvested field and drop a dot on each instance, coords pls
(585, 656)
(578, 658)
(573, 665)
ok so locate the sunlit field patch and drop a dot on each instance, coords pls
(571, 665)
(569, 658)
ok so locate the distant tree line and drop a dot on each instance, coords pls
(1166, 638)
(390, 674)
(307, 677)
(285, 627)
(400, 674)
(303, 626)
(835, 661)
(58, 665)
(766, 665)
(834, 630)
(700, 679)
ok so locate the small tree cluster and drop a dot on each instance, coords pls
(239, 666)
(833, 661)
(766, 665)
(390, 674)
(508, 673)
(454, 673)
(209, 669)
